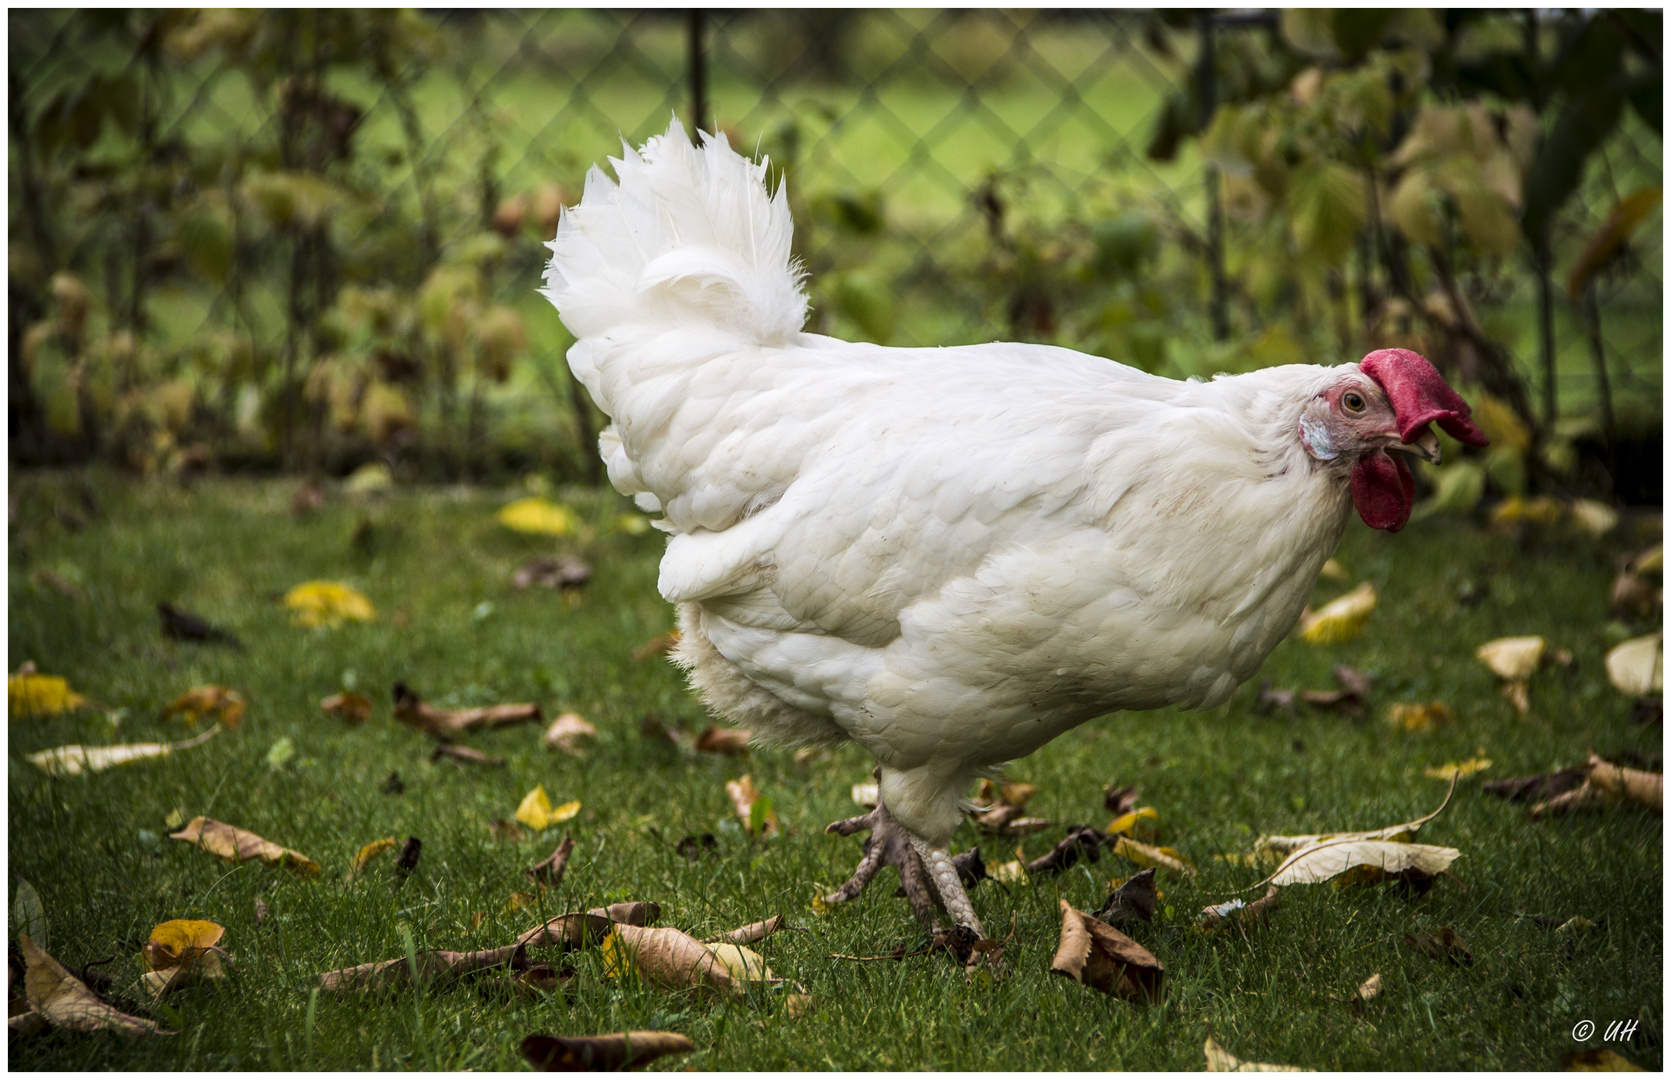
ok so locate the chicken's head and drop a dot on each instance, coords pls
(1386, 403)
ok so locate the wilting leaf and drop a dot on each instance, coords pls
(327, 603)
(754, 810)
(537, 813)
(1214, 916)
(1632, 597)
(236, 845)
(30, 694)
(1445, 945)
(363, 857)
(748, 935)
(1641, 787)
(1142, 854)
(28, 913)
(1133, 899)
(1638, 666)
(1601, 1059)
(665, 957)
(566, 732)
(64, 1000)
(1514, 658)
(563, 573)
(717, 740)
(1412, 716)
(354, 708)
(448, 724)
(1383, 858)
(225, 705)
(75, 759)
(1455, 770)
(589, 1053)
(1095, 954)
(537, 516)
(1340, 620)
(1221, 1060)
(181, 951)
(468, 754)
(435, 968)
(549, 871)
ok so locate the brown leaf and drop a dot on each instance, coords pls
(1445, 945)
(1644, 788)
(757, 931)
(237, 845)
(1095, 954)
(566, 732)
(1081, 840)
(549, 872)
(565, 572)
(217, 702)
(63, 1000)
(657, 645)
(631, 912)
(1585, 794)
(1134, 899)
(744, 798)
(575, 930)
(353, 708)
(1120, 800)
(467, 754)
(448, 724)
(716, 740)
(668, 958)
(588, 1053)
(1528, 788)
(1633, 597)
(437, 967)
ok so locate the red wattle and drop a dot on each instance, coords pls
(1383, 490)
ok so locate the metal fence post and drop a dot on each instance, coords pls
(698, 72)
(1208, 77)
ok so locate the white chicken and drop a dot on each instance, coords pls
(949, 556)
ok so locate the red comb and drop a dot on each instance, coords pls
(1420, 396)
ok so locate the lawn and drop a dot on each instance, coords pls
(91, 554)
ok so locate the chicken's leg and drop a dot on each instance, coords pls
(938, 862)
(921, 869)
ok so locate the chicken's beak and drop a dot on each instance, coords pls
(1426, 445)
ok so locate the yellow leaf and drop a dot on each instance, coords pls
(1144, 855)
(1125, 822)
(745, 965)
(227, 706)
(1593, 516)
(538, 516)
(1513, 657)
(1340, 620)
(368, 853)
(1637, 667)
(327, 603)
(1454, 770)
(178, 941)
(536, 811)
(1010, 873)
(1411, 716)
(1537, 510)
(29, 694)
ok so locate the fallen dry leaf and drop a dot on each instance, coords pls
(717, 740)
(327, 603)
(238, 845)
(667, 958)
(1645, 788)
(366, 854)
(1585, 794)
(354, 708)
(539, 517)
(409, 852)
(1215, 916)
(748, 935)
(565, 572)
(225, 705)
(549, 871)
(181, 951)
(1601, 1059)
(566, 732)
(1445, 945)
(1637, 667)
(1081, 840)
(1221, 1060)
(1142, 854)
(32, 694)
(1095, 954)
(1286, 845)
(1369, 861)
(1129, 821)
(1545, 786)
(574, 930)
(745, 965)
(1633, 597)
(754, 810)
(1119, 800)
(1367, 992)
(1411, 716)
(1513, 658)
(1340, 620)
(448, 724)
(1133, 899)
(467, 754)
(588, 1053)
(437, 967)
(1455, 770)
(63, 1000)
(75, 759)
(181, 625)
(630, 912)
(536, 811)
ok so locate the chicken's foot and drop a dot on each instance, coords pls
(923, 871)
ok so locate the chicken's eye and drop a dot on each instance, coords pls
(1353, 401)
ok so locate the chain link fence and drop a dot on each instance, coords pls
(310, 239)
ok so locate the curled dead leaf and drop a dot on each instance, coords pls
(447, 725)
(748, 935)
(631, 912)
(1543, 786)
(1133, 899)
(1095, 954)
(1637, 667)
(1142, 854)
(226, 706)
(1644, 788)
(467, 754)
(435, 968)
(181, 952)
(239, 845)
(75, 759)
(754, 810)
(1368, 860)
(566, 732)
(352, 708)
(588, 1053)
(1080, 840)
(63, 1000)
(668, 958)
(1408, 716)
(366, 854)
(549, 871)
(717, 740)
(1512, 658)
(574, 930)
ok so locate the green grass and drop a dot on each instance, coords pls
(92, 845)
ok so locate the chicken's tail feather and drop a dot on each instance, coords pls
(688, 239)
